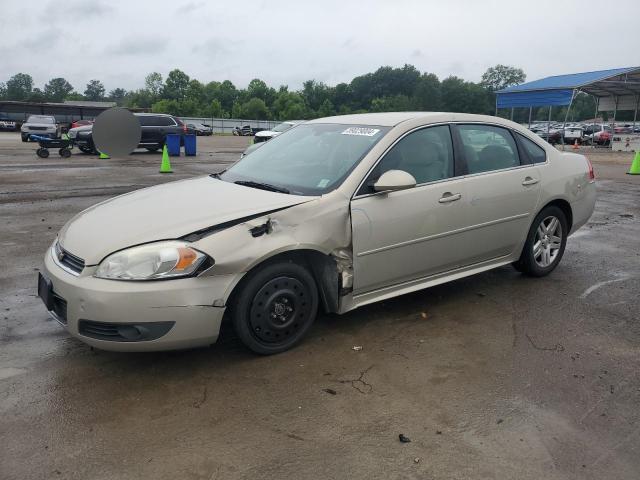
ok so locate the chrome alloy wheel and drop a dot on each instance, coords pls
(547, 242)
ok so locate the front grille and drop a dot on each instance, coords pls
(37, 128)
(70, 261)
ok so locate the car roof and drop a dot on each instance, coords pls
(391, 119)
(139, 114)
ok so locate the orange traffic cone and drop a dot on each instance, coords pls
(575, 144)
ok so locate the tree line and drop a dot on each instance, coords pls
(387, 89)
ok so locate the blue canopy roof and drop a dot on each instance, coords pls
(558, 90)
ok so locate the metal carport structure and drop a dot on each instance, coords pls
(614, 90)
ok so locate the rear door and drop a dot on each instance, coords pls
(503, 186)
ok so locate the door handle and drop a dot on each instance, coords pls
(450, 197)
(530, 181)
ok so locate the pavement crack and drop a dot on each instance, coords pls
(556, 348)
(359, 383)
(199, 402)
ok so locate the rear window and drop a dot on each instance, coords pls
(155, 121)
(535, 152)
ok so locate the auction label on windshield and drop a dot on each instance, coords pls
(367, 132)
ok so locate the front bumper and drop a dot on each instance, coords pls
(186, 305)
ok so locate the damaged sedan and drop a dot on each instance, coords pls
(331, 215)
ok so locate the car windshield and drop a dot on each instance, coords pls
(40, 119)
(282, 127)
(311, 159)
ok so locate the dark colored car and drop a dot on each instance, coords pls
(200, 129)
(155, 128)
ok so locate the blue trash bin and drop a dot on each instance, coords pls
(189, 145)
(173, 144)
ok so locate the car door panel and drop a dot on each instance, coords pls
(404, 235)
(503, 191)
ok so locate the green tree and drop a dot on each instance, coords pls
(36, 95)
(117, 95)
(3, 91)
(19, 87)
(195, 92)
(326, 109)
(74, 96)
(166, 106)
(502, 76)
(461, 96)
(176, 85)
(427, 95)
(255, 109)
(214, 109)
(57, 89)
(289, 106)
(153, 83)
(94, 91)
(394, 103)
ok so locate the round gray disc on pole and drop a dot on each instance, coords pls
(116, 132)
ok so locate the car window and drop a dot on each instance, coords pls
(488, 148)
(155, 121)
(40, 119)
(427, 154)
(311, 159)
(535, 152)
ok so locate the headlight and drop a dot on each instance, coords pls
(154, 261)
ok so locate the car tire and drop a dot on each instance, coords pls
(64, 152)
(42, 153)
(545, 243)
(275, 307)
(25, 138)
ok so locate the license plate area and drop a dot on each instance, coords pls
(55, 304)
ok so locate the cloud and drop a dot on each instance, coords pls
(189, 7)
(138, 46)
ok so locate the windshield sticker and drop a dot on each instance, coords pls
(323, 183)
(367, 132)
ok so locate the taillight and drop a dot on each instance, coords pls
(592, 175)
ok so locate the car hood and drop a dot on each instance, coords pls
(267, 133)
(82, 128)
(167, 211)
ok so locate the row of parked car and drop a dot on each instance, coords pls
(583, 133)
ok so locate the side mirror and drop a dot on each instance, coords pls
(393, 180)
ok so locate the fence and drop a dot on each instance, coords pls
(226, 125)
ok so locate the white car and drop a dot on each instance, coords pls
(572, 134)
(265, 135)
(334, 214)
(43, 125)
(7, 125)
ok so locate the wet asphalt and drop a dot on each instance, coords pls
(496, 376)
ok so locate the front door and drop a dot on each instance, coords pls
(404, 235)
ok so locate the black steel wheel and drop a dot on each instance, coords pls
(42, 153)
(275, 307)
(64, 152)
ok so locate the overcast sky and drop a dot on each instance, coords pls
(287, 42)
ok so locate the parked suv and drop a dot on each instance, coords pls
(155, 128)
(43, 125)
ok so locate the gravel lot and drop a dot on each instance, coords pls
(496, 376)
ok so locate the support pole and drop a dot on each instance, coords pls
(613, 124)
(635, 114)
(549, 124)
(511, 114)
(595, 115)
(496, 105)
(566, 116)
(530, 110)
